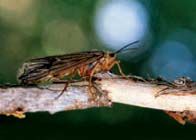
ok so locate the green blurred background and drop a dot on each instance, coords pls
(167, 33)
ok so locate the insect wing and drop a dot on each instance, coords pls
(36, 69)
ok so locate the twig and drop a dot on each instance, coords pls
(17, 100)
(178, 96)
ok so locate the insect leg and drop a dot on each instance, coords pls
(59, 81)
(119, 68)
(93, 70)
(64, 89)
(92, 73)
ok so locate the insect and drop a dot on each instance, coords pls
(56, 68)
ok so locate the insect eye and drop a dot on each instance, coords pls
(111, 54)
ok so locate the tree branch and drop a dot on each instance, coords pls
(178, 96)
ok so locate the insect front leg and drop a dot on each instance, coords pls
(119, 68)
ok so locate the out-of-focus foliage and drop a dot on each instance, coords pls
(35, 28)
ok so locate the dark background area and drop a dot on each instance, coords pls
(167, 34)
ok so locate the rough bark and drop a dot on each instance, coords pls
(178, 98)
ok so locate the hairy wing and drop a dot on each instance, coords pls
(39, 68)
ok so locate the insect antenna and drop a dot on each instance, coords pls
(126, 46)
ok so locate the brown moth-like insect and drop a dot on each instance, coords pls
(55, 68)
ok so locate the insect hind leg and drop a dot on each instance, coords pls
(59, 81)
(64, 89)
(65, 86)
